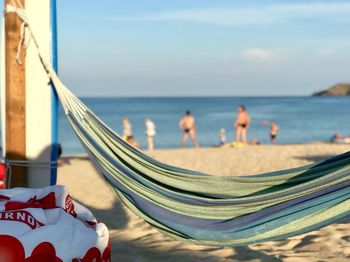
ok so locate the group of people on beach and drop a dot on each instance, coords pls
(187, 125)
(150, 133)
(241, 126)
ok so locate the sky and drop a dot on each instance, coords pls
(202, 47)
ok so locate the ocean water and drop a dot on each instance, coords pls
(301, 119)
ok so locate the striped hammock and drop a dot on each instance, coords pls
(210, 210)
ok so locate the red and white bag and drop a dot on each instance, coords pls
(46, 225)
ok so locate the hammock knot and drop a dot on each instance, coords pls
(21, 14)
(12, 8)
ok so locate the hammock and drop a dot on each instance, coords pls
(203, 209)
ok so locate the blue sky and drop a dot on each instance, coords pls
(202, 47)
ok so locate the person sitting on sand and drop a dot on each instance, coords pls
(340, 139)
(127, 128)
(255, 142)
(241, 125)
(188, 126)
(133, 142)
(150, 133)
(273, 132)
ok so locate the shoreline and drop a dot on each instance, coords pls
(227, 145)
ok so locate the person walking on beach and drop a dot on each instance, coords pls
(241, 125)
(273, 132)
(150, 133)
(127, 128)
(188, 126)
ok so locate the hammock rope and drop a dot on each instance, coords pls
(203, 209)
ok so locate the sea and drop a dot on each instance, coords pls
(300, 119)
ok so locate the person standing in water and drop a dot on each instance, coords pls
(222, 136)
(127, 129)
(150, 133)
(273, 132)
(188, 126)
(241, 125)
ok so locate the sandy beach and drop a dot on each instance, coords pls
(134, 240)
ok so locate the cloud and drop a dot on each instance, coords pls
(260, 55)
(246, 16)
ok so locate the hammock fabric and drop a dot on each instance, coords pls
(210, 210)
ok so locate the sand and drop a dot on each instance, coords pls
(134, 240)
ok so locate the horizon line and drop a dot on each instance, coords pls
(207, 96)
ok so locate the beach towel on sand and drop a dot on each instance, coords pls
(46, 225)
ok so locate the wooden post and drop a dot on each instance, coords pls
(15, 99)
